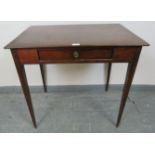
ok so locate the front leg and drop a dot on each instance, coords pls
(129, 78)
(23, 80)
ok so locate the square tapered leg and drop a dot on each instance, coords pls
(23, 80)
(42, 69)
(128, 82)
(108, 76)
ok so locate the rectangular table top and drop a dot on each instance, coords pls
(76, 35)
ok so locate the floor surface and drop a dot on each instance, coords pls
(82, 110)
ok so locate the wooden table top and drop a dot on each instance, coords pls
(76, 35)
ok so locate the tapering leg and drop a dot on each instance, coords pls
(108, 76)
(23, 80)
(42, 69)
(129, 78)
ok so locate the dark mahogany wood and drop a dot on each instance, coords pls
(108, 76)
(75, 53)
(125, 53)
(42, 69)
(85, 35)
(23, 80)
(85, 55)
(128, 82)
(109, 43)
(28, 56)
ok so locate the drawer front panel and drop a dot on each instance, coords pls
(48, 54)
(27, 56)
(127, 53)
(75, 54)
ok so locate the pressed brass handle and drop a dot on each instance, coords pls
(76, 54)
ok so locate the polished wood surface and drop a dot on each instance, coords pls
(28, 55)
(108, 76)
(77, 44)
(128, 82)
(74, 53)
(43, 74)
(68, 35)
(77, 55)
(23, 80)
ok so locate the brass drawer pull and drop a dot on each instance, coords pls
(76, 54)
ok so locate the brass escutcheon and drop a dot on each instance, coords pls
(76, 54)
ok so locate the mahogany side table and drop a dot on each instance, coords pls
(103, 43)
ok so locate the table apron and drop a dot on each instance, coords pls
(83, 55)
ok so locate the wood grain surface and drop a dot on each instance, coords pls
(71, 35)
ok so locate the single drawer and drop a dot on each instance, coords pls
(28, 56)
(75, 54)
(125, 53)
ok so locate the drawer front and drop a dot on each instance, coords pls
(126, 53)
(28, 56)
(75, 54)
